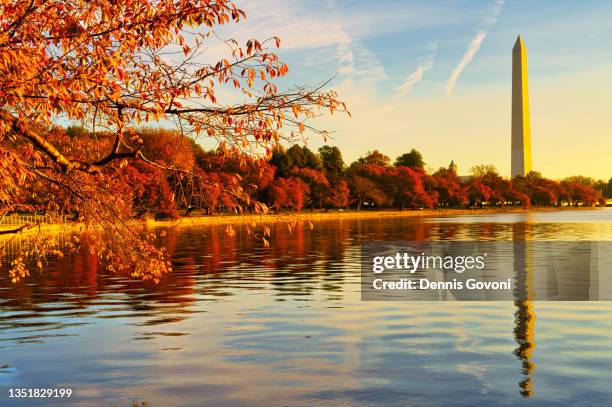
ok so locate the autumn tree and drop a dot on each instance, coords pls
(318, 185)
(366, 191)
(579, 193)
(478, 193)
(287, 193)
(448, 187)
(338, 196)
(408, 189)
(371, 183)
(113, 66)
(541, 191)
(499, 187)
(151, 189)
(252, 176)
(169, 148)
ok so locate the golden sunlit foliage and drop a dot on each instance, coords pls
(114, 66)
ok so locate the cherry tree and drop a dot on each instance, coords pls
(116, 65)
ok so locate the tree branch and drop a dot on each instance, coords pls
(18, 229)
(57, 157)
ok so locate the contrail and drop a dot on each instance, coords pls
(425, 64)
(467, 58)
(474, 46)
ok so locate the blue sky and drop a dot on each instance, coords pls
(435, 75)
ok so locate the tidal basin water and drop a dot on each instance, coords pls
(240, 324)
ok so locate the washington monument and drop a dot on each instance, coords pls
(521, 129)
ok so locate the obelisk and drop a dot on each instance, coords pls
(521, 129)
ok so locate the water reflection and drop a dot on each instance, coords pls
(237, 323)
(524, 317)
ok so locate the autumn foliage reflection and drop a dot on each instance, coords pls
(115, 69)
(115, 66)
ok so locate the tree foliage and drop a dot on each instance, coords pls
(331, 160)
(114, 66)
(413, 160)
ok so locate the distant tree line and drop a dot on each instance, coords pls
(298, 178)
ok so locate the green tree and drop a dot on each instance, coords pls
(302, 157)
(580, 179)
(413, 160)
(482, 170)
(331, 159)
(372, 157)
(601, 186)
(295, 157)
(280, 161)
(534, 176)
(77, 131)
(311, 160)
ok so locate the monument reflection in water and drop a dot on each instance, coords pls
(571, 271)
(538, 271)
(289, 320)
(524, 317)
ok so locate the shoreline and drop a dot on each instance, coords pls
(349, 215)
(213, 220)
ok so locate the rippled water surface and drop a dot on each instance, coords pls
(240, 324)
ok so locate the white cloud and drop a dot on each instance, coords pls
(314, 28)
(474, 46)
(360, 73)
(495, 12)
(322, 23)
(425, 64)
(346, 59)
